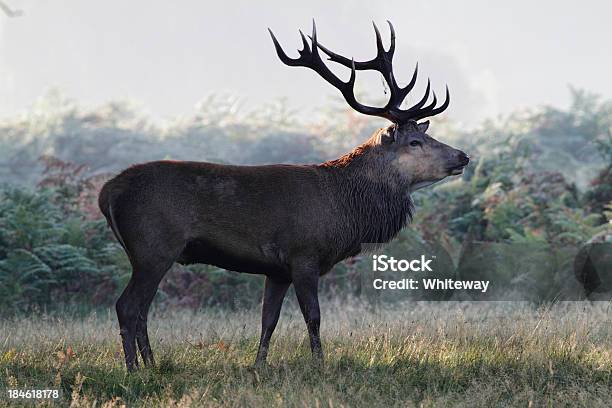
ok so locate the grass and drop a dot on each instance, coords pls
(427, 354)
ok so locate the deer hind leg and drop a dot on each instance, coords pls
(148, 288)
(132, 311)
(127, 325)
(151, 254)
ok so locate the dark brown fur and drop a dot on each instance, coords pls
(291, 223)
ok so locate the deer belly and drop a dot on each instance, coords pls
(244, 260)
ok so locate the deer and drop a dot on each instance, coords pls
(290, 223)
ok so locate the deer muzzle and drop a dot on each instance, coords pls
(461, 160)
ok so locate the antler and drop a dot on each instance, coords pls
(383, 63)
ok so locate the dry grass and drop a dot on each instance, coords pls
(427, 354)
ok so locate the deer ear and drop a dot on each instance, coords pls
(387, 136)
(423, 126)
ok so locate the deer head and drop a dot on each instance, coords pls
(419, 158)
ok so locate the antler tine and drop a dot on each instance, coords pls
(380, 49)
(410, 85)
(306, 50)
(392, 46)
(419, 104)
(397, 97)
(313, 38)
(433, 102)
(281, 53)
(383, 63)
(425, 113)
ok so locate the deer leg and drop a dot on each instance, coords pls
(127, 315)
(274, 293)
(132, 310)
(147, 293)
(305, 281)
(142, 337)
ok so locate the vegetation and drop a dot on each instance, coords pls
(421, 354)
(539, 176)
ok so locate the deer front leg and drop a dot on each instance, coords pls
(306, 282)
(274, 293)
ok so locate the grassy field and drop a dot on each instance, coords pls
(427, 354)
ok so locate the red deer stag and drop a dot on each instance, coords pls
(291, 223)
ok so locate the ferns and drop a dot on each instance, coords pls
(45, 257)
(24, 280)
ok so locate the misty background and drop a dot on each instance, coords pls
(167, 56)
(90, 88)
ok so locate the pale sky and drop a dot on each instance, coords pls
(166, 56)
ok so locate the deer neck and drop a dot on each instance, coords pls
(373, 203)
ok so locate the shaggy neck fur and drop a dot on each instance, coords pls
(374, 203)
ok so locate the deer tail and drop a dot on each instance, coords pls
(115, 228)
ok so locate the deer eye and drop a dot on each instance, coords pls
(415, 143)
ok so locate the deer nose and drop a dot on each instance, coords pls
(464, 159)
